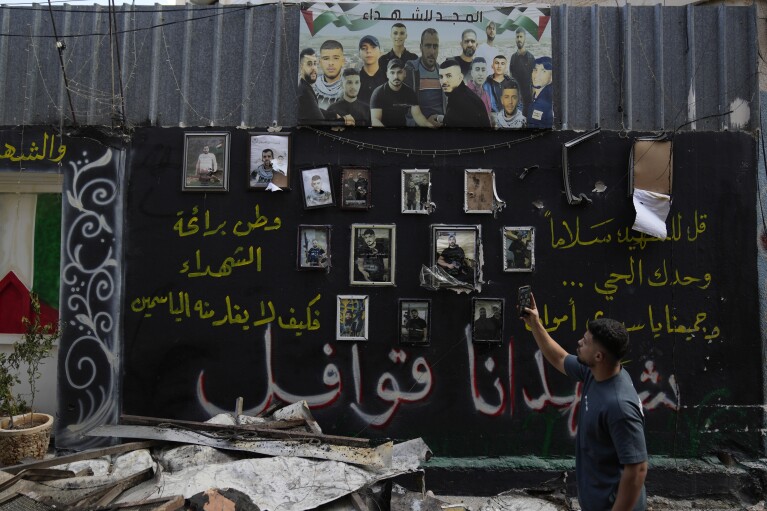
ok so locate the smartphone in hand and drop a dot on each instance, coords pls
(524, 299)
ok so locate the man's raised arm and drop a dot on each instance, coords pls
(552, 351)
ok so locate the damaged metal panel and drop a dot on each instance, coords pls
(624, 68)
(654, 70)
(378, 457)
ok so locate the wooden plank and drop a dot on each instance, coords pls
(238, 408)
(84, 455)
(161, 504)
(172, 505)
(207, 426)
(109, 496)
(358, 502)
(247, 429)
(36, 474)
(107, 493)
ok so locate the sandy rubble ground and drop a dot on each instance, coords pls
(404, 500)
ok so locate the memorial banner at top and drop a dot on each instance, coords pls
(425, 65)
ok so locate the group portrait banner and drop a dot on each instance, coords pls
(425, 65)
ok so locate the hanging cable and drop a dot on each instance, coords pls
(111, 62)
(426, 152)
(90, 34)
(113, 22)
(60, 47)
(764, 161)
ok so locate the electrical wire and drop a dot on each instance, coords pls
(116, 56)
(60, 47)
(223, 12)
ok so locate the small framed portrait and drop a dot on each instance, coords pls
(352, 318)
(269, 161)
(487, 319)
(456, 251)
(414, 322)
(518, 248)
(478, 191)
(313, 247)
(355, 188)
(206, 162)
(317, 188)
(373, 252)
(416, 191)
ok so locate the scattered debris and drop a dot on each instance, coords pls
(232, 462)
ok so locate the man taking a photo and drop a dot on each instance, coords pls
(611, 456)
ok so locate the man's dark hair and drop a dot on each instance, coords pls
(520, 30)
(399, 25)
(331, 44)
(509, 84)
(267, 150)
(463, 34)
(304, 53)
(611, 335)
(500, 56)
(449, 63)
(350, 71)
(367, 232)
(429, 30)
(478, 60)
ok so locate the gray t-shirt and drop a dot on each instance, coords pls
(610, 435)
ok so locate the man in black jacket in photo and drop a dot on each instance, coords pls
(464, 108)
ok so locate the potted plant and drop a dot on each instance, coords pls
(23, 432)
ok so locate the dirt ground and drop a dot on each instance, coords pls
(519, 500)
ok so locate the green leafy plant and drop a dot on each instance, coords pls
(35, 345)
(8, 379)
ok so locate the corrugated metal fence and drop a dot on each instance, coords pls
(623, 68)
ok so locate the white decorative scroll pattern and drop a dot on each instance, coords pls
(90, 298)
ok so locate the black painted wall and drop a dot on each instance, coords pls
(697, 362)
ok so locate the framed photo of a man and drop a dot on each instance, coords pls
(416, 191)
(313, 247)
(518, 248)
(206, 162)
(414, 322)
(479, 190)
(487, 319)
(355, 188)
(269, 161)
(352, 318)
(373, 255)
(317, 188)
(456, 251)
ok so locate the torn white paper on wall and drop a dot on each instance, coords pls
(652, 209)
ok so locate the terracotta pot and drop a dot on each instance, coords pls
(21, 443)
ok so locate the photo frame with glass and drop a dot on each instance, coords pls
(352, 314)
(414, 320)
(313, 247)
(518, 248)
(416, 191)
(270, 159)
(487, 320)
(479, 191)
(206, 162)
(456, 251)
(356, 189)
(317, 188)
(373, 254)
